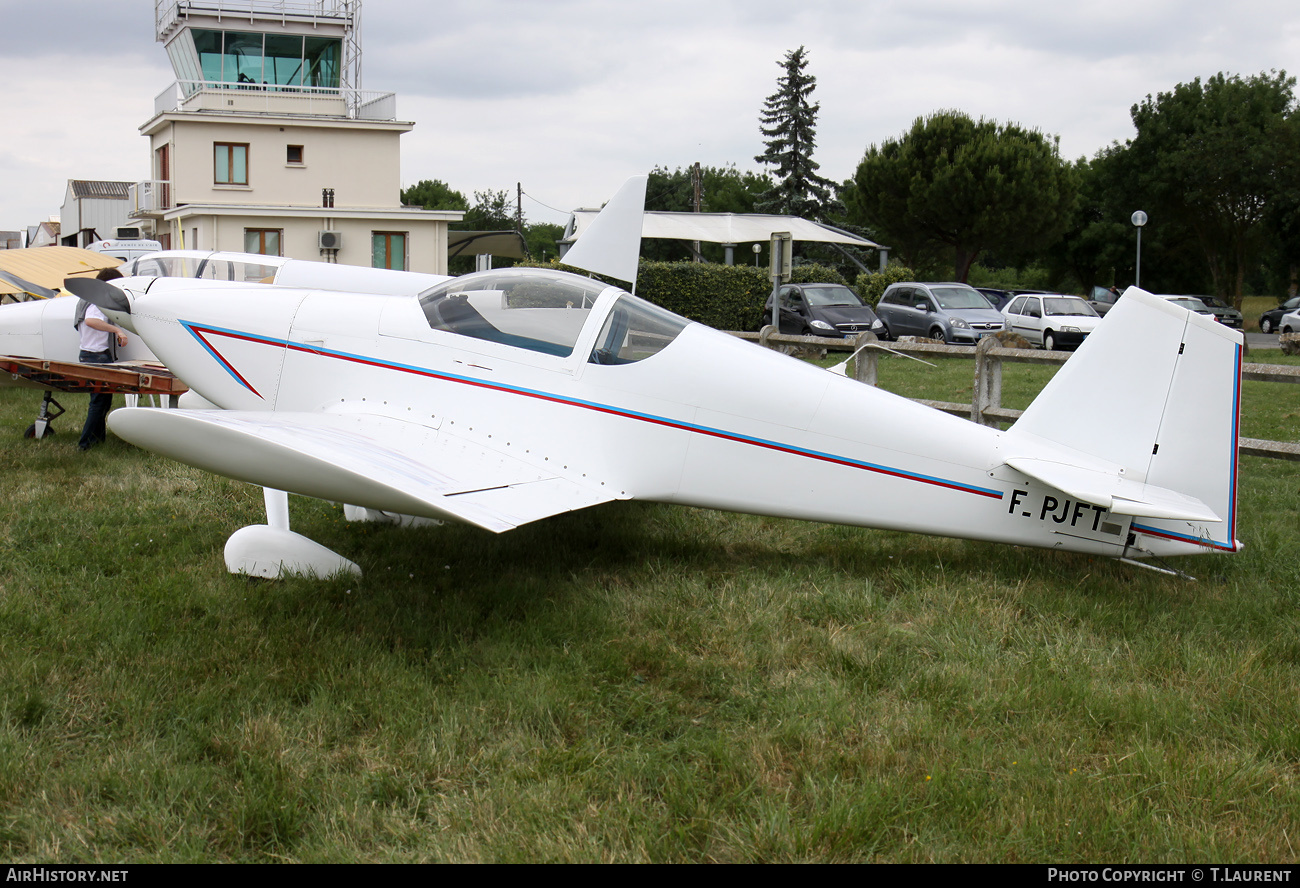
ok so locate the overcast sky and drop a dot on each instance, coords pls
(570, 97)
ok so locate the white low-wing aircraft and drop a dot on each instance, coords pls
(504, 397)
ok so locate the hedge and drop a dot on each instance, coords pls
(728, 297)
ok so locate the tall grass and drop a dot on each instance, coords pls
(628, 683)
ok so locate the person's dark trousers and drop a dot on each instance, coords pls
(95, 430)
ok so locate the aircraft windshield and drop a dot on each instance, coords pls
(634, 331)
(538, 310)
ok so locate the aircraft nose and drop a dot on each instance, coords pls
(109, 299)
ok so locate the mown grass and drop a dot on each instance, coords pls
(629, 683)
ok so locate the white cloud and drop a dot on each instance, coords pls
(571, 96)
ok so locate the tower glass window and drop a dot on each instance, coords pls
(255, 59)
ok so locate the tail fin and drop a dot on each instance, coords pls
(612, 243)
(1146, 414)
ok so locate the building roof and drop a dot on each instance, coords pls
(87, 188)
(727, 228)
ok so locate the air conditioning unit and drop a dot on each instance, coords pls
(331, 240)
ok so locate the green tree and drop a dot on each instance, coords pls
(492, 211)
(789, 127)
(965, 185)
(1218, 155)
(541, 238)
(434, 194)
(1099, 246)
(722, 190)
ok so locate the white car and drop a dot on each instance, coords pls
(1290, 323)
(1052, 321)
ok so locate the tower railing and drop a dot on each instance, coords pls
(257, 98)
(167, 13)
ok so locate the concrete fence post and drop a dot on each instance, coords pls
(865, 364)
(987, 391)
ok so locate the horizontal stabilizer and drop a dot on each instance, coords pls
(1112, 491)
(366, 460)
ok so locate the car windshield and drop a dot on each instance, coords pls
(830, 296)
(1213, 302)
(1068, 306)
(1195, 305)
(959, 297)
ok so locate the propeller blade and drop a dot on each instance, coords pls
(27, 286)
(100, 293)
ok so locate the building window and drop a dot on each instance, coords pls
(293, 154)
(230, 165)
(388, 250)
(266, 241)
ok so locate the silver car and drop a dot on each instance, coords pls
(950, 312)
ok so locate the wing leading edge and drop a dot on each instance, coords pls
(364, 460)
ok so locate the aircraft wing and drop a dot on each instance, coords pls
(362, 459)
(39, 271)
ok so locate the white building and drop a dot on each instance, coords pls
(93, 211)
(267, 144)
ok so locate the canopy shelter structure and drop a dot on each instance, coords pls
(729, 229)
(46, 267)
(508, 244)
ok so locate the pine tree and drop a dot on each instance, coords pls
(789, 127)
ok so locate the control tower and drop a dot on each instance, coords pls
(267, 143)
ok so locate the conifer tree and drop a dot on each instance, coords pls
(789, 127)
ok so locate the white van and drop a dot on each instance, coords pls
(125, 249)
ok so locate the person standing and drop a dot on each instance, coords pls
(100, 340)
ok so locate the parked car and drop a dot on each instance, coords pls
(1191, 303)
(1269, 320)
(997, 298)
(1103, 300)
(951, 312)
(1053, 321)
(1290, 323)
(820, 310)
(1223, 312)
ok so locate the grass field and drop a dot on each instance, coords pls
(632, 682)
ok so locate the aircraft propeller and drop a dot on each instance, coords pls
(27, 286)
(99, 293)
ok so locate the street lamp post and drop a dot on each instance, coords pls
(1139, 219)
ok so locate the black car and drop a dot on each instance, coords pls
(997, 298)
(1268, 321)
(1223, 312)
(821, 310)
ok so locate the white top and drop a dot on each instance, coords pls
(93, 340)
